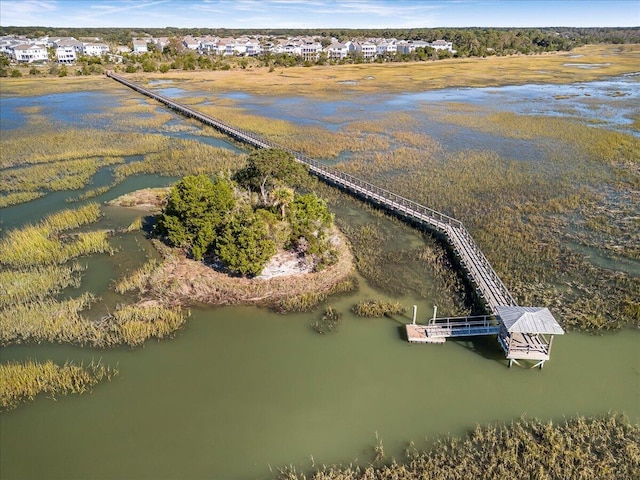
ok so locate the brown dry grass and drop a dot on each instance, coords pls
(33, 86)
(472, 72)
(181, 281)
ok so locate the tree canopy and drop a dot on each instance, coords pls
(213, 216)
(268, 168)
(309, 218)
(244, 244)
(196, 208)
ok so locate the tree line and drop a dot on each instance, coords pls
(467, 41)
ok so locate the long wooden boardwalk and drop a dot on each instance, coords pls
(485, 280)
(479, 271)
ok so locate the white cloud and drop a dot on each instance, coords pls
(109, 9)
(25, 12)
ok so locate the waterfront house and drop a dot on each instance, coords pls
(386, 47)
(140, 46)
(253, 48)
(66, 55)
(190, 42)
(30, 53)
(310, 50)
(366, 50)
(442, 45)
(77, 45)
(94, 49)
(337, 51)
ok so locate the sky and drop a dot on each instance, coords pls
(319, 13)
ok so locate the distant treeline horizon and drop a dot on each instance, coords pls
(466, 41)
(124, 34)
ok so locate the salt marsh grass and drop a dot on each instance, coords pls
(378, 308)
(53, 321)
(49, 159)
(606, 448)
(29, 86)
(54, 145)
(23, 381)
(62, 175)
(24, 286)
(42, 244)
(138, 279)
(18, 197)
(183, 157)
(50, 321)
(134, 324)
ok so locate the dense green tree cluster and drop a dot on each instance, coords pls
(243, 222)
(196, 209)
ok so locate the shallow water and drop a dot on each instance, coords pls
(241, 389)
(612, 103)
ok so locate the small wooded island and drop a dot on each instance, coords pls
(240, 238)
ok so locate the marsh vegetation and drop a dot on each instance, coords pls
(23, 381)
(579, 448)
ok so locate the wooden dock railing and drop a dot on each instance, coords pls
(485, 280)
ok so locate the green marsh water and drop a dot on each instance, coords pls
(241, 389)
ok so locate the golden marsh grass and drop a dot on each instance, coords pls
(608, 60)
(24, 286)
(23, 381)
(42, 244)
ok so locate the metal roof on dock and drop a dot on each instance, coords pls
(529, 320)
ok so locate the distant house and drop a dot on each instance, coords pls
(253, 48)
(292, 48)
(140, 46)
(239, 47)
(209, 44)
(66, 55)
(94, 49)
(365, 49)
(123, 49)
(221, 46)
(337, 51)
(191, 43)
(161, 42)
(442, 45)
(65, 41)
(77, 45)
(386, 47)
(8, 42)
(405, 47)
(310, 50)
(30, 53)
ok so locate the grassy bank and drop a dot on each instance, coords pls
(23, 381)
(606, 448)
(182, 281)
(35, 86)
